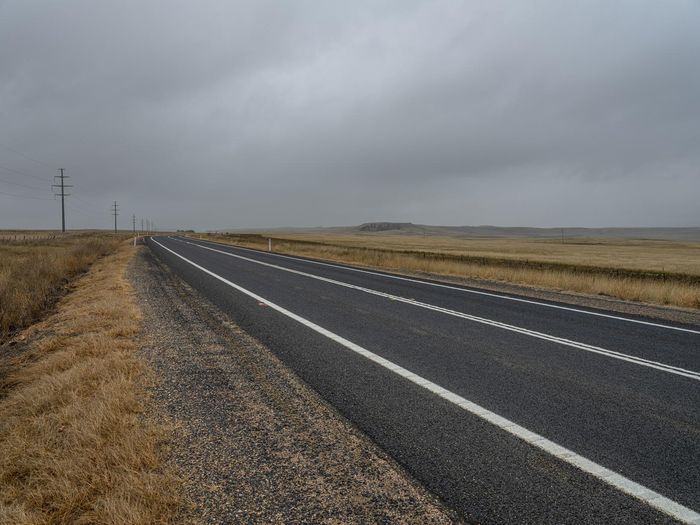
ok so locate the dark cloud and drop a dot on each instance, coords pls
(214, 114)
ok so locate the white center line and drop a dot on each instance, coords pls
(459, 289)
(612, 478)
(524, 331)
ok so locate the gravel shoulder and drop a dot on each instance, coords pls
(251, 441)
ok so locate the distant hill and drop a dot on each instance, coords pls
(690, 234)
(407, 228)
(384, 226)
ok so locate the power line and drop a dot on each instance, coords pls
(18, 172)
(20, 184)
(63, 195)
(115, 212)
(88, 204)
(59, 185)
(84, 212)
(17, 152)
(24, 196)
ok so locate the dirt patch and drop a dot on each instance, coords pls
(255, 444)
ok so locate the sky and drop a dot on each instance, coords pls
(255, 114)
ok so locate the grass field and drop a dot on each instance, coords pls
(35, 266)
(659, 272)
(76, 446)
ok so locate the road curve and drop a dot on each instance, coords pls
(508, 409)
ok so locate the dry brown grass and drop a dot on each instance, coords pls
(76, 447)
(659, 272)
(630, 254)
(34, 268)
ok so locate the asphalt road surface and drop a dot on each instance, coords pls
(510, 410)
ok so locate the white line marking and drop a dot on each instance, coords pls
(612, 478)
(524, 331)
(465, 290)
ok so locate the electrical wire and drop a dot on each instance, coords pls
(17, 152)
(22, 185)
(89, 205)
(85, 212)
(24, 196)
(11, 170)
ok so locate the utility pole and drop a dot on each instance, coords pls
(142, 230)
(62, 194)
(133, 220)
(115, 212)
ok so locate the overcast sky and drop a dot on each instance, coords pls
(298, 113)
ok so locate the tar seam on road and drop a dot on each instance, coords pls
(460, 289)
(626, 485)
(532, 333)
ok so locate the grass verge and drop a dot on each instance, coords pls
(34, 269)
(76, 445)
(615, 280)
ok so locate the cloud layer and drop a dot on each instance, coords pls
(213, 114)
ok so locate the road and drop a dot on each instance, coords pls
(510, 410)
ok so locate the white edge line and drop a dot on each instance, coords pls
(640, 492)
(466, 290)
(691, 374)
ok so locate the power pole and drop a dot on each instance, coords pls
(62, 186)
(115, 212)
(133, 220)
(142, 230)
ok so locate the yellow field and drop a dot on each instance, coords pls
(76, 447)
(660, 256)
(34, 267)
(661, 272)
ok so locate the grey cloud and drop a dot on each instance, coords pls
(214, 114)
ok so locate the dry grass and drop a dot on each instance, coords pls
(34, 268)
(630, 254)
(76, 447)
(659, 272)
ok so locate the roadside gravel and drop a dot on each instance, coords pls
(252, 442)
